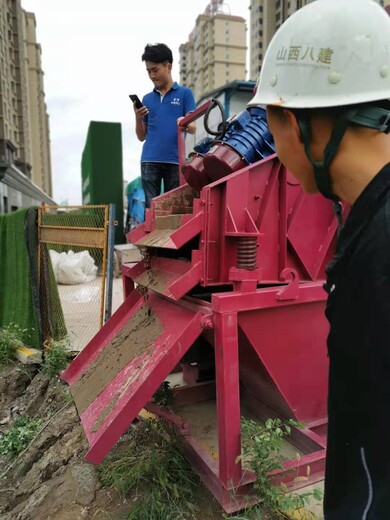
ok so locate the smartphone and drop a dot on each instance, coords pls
(136, 99)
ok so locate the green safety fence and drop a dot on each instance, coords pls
(21, 298)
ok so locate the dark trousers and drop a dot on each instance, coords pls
(357, 479)
(152, 174)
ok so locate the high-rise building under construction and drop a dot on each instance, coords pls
(215, 53)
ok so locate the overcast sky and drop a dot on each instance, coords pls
(91, 55)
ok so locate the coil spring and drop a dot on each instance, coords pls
(247, 253)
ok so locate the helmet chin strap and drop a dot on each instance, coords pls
(321, 168)
(363, 115)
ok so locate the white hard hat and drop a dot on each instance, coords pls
(329, 53)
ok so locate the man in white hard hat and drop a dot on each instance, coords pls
(326, 84)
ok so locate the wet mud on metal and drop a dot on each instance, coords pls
(136, 338)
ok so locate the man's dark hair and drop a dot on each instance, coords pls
(158, 53)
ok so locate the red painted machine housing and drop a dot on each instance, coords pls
(262, 202)
(239, 266)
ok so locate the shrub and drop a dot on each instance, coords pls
(12, 337)
(262, 447)
(56, 357)
(19, 435)
(153, 470)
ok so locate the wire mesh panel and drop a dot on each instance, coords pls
(73, 259)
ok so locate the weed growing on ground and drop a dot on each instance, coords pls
(19, 435)
(56, 357)
(261, 447)
(154, 473)
(12, 337)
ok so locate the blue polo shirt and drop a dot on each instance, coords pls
(161, 137)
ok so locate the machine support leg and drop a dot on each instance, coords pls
(228, 397)
(127, 284)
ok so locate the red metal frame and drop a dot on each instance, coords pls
(235, 308)
(110, 409)
(265, 322)
(193, 116)
(293, 230)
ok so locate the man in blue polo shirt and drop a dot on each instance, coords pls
(157, 122)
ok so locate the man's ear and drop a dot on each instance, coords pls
(292, 121)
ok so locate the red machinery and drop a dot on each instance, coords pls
(236, 270)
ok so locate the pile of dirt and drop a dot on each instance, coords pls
(50, 480)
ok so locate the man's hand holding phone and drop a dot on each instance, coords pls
(139, 109)
(135, 99)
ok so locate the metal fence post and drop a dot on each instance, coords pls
(110, 263)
